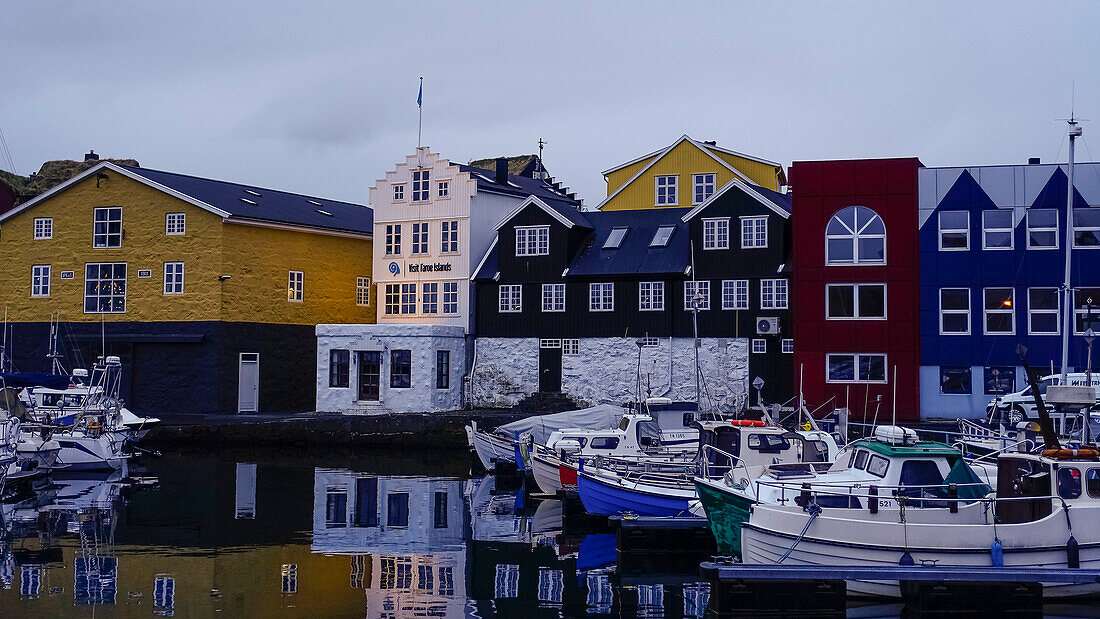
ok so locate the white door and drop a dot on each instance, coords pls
(248, 389)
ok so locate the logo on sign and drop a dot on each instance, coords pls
(395, 269)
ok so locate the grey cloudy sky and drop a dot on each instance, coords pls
(320, 97)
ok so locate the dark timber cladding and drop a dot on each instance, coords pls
(578, 256)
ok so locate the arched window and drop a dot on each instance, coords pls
(855, 235)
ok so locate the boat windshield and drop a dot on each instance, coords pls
(62, 399)
(624, 423)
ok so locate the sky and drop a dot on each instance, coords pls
(319, 97)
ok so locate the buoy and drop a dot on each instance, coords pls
(996, 552)
(1073, 553)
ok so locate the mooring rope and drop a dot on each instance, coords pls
(814, 510)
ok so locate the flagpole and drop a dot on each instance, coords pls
(420, 106)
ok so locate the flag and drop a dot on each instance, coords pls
(420, 95)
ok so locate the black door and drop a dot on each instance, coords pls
(550, 369)
(370, 373)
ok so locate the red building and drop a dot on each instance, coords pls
(856, 285)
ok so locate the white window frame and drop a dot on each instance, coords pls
(651, 296)
(856, 291)
(941, 230)
(553, 298)
(362, 291)
(393, 239)
(778, 290)
(111, 295)
(510, 299)
(666, 190)
(1011, 311)
(107, 221)
(450, 298)
(1011, 230)
(854, 233)
(703, 181)
(175, 224)
(398, 192)
(786, 346)
(966, 312)
(429, 298)
(532, 240)
(759, 346)
(43, 228)
(40, 280)
(1056, 312)
(1084, 308)
(855, 367)
(716, 233)
(448, 237)
(754, 232)
(650, 342)
(601, 297)
(1055, 230)
(690, 288)
(659, 238)
(570, 346)
(443, 188)
(295, 286)
(422, 185)
(1076, 228)
(408, 300)
(173, 280)
(735, 294)
(420, 239)
(392, 298)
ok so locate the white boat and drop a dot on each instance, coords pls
(500, 445)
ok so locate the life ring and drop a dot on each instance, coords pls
(753, 423)
(1072, 454)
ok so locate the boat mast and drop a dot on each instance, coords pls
(1068, 322)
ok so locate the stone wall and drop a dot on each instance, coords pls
(505, 371)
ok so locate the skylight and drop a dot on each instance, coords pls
(249, 191)
(314, 203)
(615, 239)
(664, 233)
(247, 201)
(324, 212)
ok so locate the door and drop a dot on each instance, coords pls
(370, 374)
(248, 385)
(550, 366)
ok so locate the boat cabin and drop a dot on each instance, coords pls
(1034, 482)
(636, 434)
(757, 444)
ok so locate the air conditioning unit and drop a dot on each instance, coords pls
(767, 326)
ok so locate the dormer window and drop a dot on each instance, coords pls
(615, 239)
(532, 240)
(660, 239)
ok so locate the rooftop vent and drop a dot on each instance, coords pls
(502, 170)
(1033, 161)
(91, 156)
(710, 142)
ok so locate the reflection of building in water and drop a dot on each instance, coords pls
(405, 535)
(245, 491)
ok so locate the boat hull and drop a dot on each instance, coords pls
(491, 449)
(568, 476)
(605, 497)
(726, 512)
(545, 470)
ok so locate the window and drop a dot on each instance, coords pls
(443, 189)
(1069, 482)
(1085, 299)
(665, 190)
(393, 239)
(400, 369)
(571, 346)
(997, 229)
(105, 288)
(954, 380)
(175, 223)
(601, 297)
(450, 297)
(604, 442)
(532, 240)
(856, 368)
(704, 187)
(442, 369)
(773, 294)
(855, 301)
(40, 280)
(336, 507)
(661, 237)
(861, 460)
(550, 343)
(393, 298)
(408, 298)
(855, 235)
(339, 368)
(399, 192)
(164, 595)
(716, 233)
(173, 278)
(420, 239)
(954, 311)
(1042, 311)
(397, 515)
(429, 298)
(1086, 227)
(877, 466)
(420, 185)
(615, 239)
(735, 294)
(108, 227)
(295, 285)
(43, 227)
(448, 237)
(510, 298)
(754, 232)
(759, 346)
(362, 291)
(1092, 482)
(439, 507)
(1042, 228)
(697, 294)
(786, 347)
(1000, 380)
(954, 230)
(651, 296)
(1000, 313)
(553, 297)
(289, 573)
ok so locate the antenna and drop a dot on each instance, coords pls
(539, 167)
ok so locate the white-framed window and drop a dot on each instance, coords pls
(420, 239)
(553, 297)
(429, 298)
(295, 286)
(570, 346)
(175, 223)
(716, 233)
(954, 311)
(448, 235)
(362, 291)
(421, 191)
(855, 368)
(754, 232)
(1043, 307)
(532, 240)
(107, 227)
(662, 236)
(40, 280)
(704, 187)
(601, 297)
(697, 293)
(615, 238)
(773, 294)
(393, 239)
(1086, 228)
(786, 346)
(393, 299)
(665, 190)
(408, 298)
(1000, 311)
(443, 189)
(450, 297)
(954, 230)
(855, 301)
(735, 294)
(43, 227)
(759, 346)
(173, 278)
(550, 343)
(855, 235)
(105, 288)
(1082, 299)
(650, 342)
(399, 192)
(997, 229)
(510, 298)
(1042, 228)
(651, 296)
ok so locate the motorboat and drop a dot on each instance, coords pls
(502, 443)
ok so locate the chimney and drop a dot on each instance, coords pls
(710, 142)
(91, 156)
(1033, 161)
(502, 170)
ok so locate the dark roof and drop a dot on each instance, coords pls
(782, 200)
(270, 205)
(634, 255)
(520, 186)
(491, 265)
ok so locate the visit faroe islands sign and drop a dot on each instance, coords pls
(421, 267)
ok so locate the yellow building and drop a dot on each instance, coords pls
(684, 174)
(208, 290)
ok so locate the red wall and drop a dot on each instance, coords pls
(820, 189)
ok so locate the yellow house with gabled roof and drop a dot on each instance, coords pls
(684, 174)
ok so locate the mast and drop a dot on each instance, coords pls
(1068, 322)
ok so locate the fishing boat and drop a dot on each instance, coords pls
(502, 443)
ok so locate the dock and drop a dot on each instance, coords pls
(669, 534)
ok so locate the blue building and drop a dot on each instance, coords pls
(992, 242)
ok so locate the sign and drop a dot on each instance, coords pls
(145, 273)
(757, 383)
(428, 267)
(395, 269)
(407, 268)
(66, 275)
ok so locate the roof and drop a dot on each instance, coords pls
(780, 203)
(922, 448)
(521, 186)
(568, 215)
(705, 145)
(634, 255)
